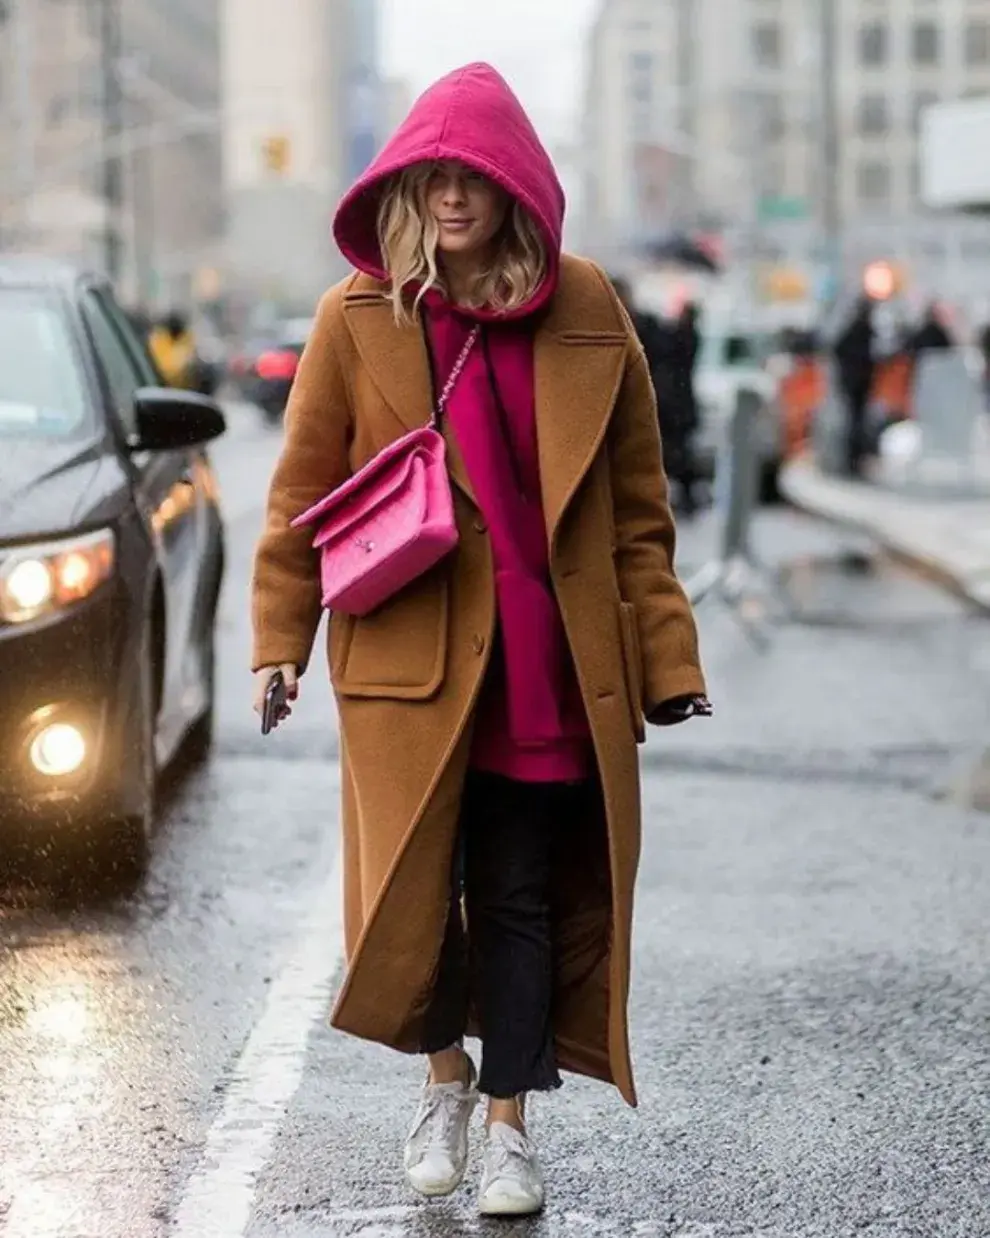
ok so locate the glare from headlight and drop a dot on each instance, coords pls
(30, 585)
(49, 577)
(58, 750)
(75, 572)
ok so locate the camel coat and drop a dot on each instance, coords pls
(407, 677)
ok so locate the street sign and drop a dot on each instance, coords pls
(771, 208)
(782, 283)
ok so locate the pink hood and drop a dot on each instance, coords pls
(471, 115)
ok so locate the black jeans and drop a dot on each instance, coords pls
(502, 961)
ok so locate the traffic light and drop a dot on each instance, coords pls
(883, 280)
(276, 152)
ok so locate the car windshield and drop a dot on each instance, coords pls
(42, 390)
(719, 351)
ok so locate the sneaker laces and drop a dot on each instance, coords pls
(507, 1152)
(437, 1117)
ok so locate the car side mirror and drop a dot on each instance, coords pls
(169, 419)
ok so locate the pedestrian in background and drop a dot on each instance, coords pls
(489, 711)
(681, 422)
(854, 355)
(984, 346)
(671, 353)
(932, 335)
(173, 350)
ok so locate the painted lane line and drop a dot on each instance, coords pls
(219, 1199)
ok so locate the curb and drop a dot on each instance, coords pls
(973, 789)
(852, 505)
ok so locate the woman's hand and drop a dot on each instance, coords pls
(263, 677)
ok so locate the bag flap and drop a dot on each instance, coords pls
(409, 474)
(425, 440)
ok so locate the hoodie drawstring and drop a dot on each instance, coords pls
(503, 418)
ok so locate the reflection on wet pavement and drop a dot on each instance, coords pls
(65, 1063)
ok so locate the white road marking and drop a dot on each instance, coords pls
(219, 1198)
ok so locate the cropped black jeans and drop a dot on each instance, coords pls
(501, 961)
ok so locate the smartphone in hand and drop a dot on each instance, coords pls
(276, 706)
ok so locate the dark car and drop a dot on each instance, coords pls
(111, 558)
(269, 366)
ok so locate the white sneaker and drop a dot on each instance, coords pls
(437, 1148)
(511, 1178)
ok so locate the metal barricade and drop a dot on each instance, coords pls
(949, 412)
(737, 492)
(829, 427)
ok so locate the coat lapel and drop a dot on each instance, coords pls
(395, 358)
(578, 374)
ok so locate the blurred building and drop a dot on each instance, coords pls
(710, 113)
(632, 137)
(955, 155)
(397, 100)
(302, 116)
(52, 109)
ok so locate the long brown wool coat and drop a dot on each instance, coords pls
(407, 677)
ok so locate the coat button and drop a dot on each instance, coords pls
(478, 644)
(480, 526)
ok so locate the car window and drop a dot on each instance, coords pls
(740, 350)
(129, 336)
(119, 364)
(42, 385)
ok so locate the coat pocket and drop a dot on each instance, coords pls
(632, 660)
(399, 651)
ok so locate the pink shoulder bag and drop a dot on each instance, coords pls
(390, 522)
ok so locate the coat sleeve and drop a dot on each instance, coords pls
(645, 542)
(285, 592)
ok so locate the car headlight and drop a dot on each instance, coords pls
(35, 580)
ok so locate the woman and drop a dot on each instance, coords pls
(489, 712)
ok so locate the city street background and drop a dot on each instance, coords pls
(198, 145)
(811, 980)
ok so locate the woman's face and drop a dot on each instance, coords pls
(468, 208)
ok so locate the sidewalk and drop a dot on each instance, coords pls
(948, 537)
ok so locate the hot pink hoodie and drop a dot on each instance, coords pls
(531, 723)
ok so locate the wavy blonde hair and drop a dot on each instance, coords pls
(408, 234)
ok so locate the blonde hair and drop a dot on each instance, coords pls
(407, 237)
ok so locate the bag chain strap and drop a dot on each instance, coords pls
(455, 374)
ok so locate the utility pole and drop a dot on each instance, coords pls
(23, 49)
(111, 128)
(830, 190)
(142, 166)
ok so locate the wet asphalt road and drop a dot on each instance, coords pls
(811, 1010)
